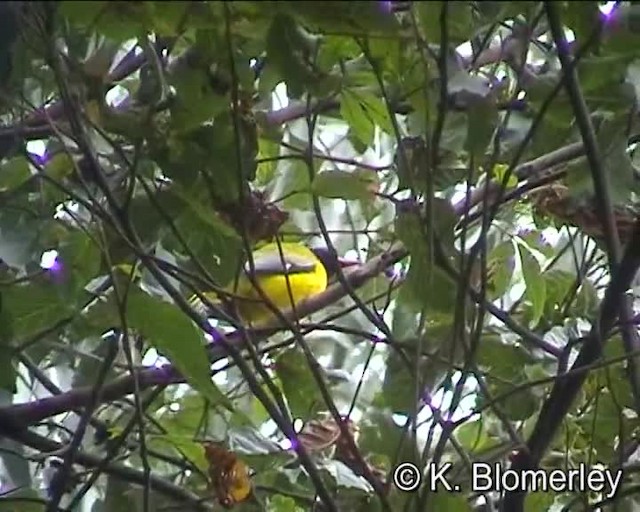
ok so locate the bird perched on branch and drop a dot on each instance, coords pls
(286, 273)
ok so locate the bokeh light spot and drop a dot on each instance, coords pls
(49, 260)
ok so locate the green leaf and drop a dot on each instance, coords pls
(292, 185)
(377, 111)
(81, 258)
(499, 172)
(166, 17)
(83, 13)
(344, 185)
(616, 374)
(558, 284)
(449, 501)
(517, 127)
(412, 163)
(215, 244)
(500, 265)
(60, 166)
(7, 371)
(539, 501)
(536, 290)
(116, 21)
(37, 305)
(386, 439)
(185, 445)
(473, 436)
(228, 162)
(176, 337)
(279, 503)
(356, 116)
(117, 495)
(455, 132)
(427, 286)
(22, 500)
(195, 100)
(184, 420)
(354, 18)
(299, 386)
(517, 406)
(13, 173)
(601, 423)
(291, 481)
(504, 361)
(618, 169)
(268, 150)
(398, 389)
(336, 49)
(505, 366)
(459, 26)
(583, 18)
(601, 73)
(587, 302)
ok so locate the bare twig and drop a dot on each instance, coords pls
(126, 472)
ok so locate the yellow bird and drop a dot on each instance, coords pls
(287, 273)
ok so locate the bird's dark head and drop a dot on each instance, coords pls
(331, 260)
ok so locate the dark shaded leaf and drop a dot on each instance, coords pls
(117, 21)
(298, 384)
(22, 500)
(583, 18)
(355, 18)
(483, 120)
(399, 387)
(290, 49)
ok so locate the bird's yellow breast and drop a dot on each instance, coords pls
(282, 294)
(306, 276)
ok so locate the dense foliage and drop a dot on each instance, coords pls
(475, 162)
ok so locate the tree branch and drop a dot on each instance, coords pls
(125, 472)
(23, 415)
(567, 385)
